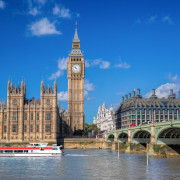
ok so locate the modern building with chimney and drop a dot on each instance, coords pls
(135, 110)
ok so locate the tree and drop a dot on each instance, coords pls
(87, 128)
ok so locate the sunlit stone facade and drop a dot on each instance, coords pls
(24, 119)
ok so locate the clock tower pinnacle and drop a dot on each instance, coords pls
(75, 74)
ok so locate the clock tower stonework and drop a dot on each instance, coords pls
(75, 74)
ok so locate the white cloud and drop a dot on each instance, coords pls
(56, 75)
(61, 12)
(62, 96)
(86, 97)
(167, 19)
(173, 78)
(123, 65)
(77, 15)
(62, 65)
(2, 4)
(151, 19)
(88, 86)
(164, 90)
(87, 64)
(43, 27)
(34, 11)
(120, 93)
(98, 62)
(154, 19)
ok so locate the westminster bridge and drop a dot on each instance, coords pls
(156, 133)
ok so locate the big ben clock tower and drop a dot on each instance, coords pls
(75, 74)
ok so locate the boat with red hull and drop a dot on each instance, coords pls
(33, 150)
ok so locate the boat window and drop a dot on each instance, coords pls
(54, 148)
(8, 151)
(18, 151)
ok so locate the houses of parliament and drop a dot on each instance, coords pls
(24, 120)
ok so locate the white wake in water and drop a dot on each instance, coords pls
(81, 155)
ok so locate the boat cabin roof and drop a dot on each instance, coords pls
(38, 144)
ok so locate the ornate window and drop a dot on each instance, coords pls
(31, 128)
(37, 128)
(14, 128)
(31, 116)
(14, 117)
(5, 117)
(5, 129)
(15, 102)
(48, 128)
(48, 116)
(48, 102)
(25, 116)
(37, 116)
(25, 128)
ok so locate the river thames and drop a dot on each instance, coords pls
(90, 164)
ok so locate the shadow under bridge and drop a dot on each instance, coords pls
(123, 137)
(142, 137)
(169, 136)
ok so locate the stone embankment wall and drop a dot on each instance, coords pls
(81, 143)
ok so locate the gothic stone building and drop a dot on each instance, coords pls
(24, 119)
(137, 110)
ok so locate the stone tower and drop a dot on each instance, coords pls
(75, 74)
(15, 110)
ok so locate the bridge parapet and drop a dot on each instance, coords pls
(142, 131)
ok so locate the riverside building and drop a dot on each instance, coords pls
(136, 110)
(105, 118)
(26, 120)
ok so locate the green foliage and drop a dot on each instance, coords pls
(78, 132)
(156, 148)
(87, 128)
(51, 143)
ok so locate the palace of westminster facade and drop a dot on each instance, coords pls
(23, 120)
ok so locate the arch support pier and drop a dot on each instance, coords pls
(163, 139)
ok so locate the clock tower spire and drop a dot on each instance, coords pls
(75, 74)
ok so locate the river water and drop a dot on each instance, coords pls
(90, 165)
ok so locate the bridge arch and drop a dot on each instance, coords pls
(110, 138)
(141, 136)
(122, 137)
(170, 135)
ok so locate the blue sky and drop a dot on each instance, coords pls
(127, 44)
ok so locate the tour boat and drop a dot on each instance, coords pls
(32, 150)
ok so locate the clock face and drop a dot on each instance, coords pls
(76, 68)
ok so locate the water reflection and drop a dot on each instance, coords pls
(89, 164)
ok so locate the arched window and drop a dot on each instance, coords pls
(15, 102)
(48, 102)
